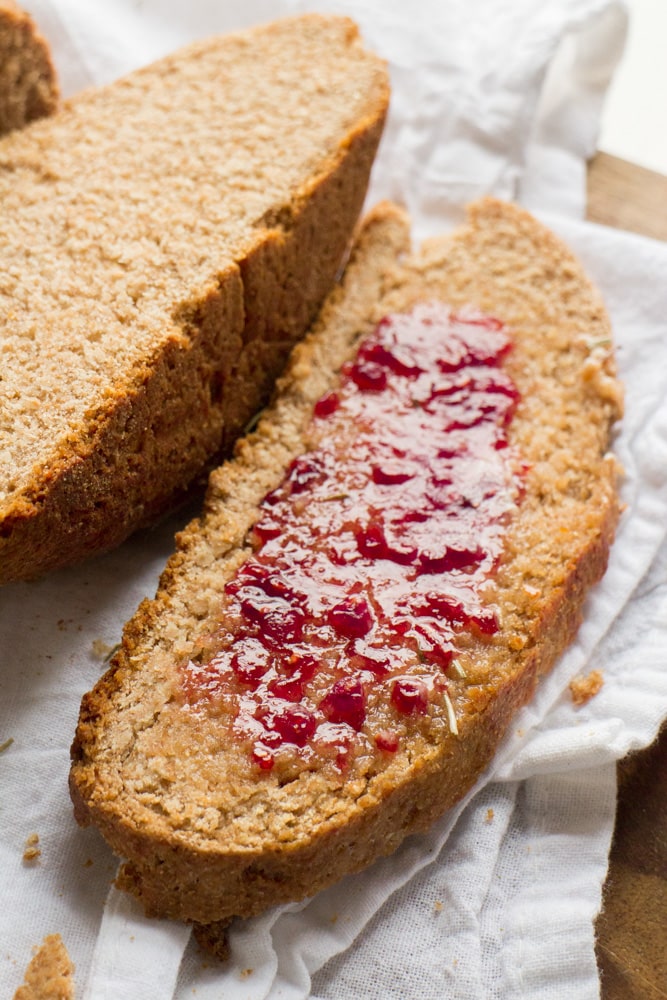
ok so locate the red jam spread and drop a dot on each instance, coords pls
(370, 558)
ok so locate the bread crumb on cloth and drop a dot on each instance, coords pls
(50, 974)
(31, 851)
(582, 689)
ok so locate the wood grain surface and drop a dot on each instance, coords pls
(627, 197)
(632, 927)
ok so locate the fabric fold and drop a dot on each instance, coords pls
(134, 956)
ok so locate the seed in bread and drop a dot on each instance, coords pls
(166, 239)
(211, 828)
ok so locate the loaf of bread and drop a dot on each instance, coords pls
(165, 241)
(377, 582)
(28, 82)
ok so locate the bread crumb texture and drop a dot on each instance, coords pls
(50, 974)
(31, 851)
(582, 689)
(28, 82)
(207, 836)
(165, 241)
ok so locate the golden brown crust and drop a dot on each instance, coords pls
(138, 443)
(28, 82)
(205, 838)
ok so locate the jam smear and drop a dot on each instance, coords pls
(369, 559)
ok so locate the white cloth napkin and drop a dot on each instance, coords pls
(498, 900)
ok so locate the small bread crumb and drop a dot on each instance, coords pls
(582, 689)
(49, 975)
(489, 815)
(438, 906)
(31, 851)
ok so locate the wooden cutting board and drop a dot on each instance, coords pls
(632, 927)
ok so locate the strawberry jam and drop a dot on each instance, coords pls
(369, 560)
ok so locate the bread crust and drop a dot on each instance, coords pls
(144, 439)
(204, 839)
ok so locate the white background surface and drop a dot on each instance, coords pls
(634, 121)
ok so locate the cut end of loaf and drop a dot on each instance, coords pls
(28, 82)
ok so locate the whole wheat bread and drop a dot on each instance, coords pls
(165, 241)
(28, 82)
(206, 834)
(50, 974)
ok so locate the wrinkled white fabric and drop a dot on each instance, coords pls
(498, 900)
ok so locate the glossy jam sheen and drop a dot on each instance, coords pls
(370, 557)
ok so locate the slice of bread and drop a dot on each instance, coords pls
(28, 82)
(165, 241)
(207, 832)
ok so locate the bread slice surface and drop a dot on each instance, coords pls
(28, 81)
(207, 836)
(166, 239)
